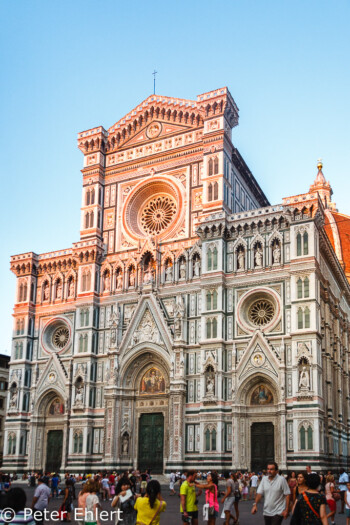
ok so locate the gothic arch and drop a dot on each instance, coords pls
(247, 387)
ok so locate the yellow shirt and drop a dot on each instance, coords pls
(190, 492)
(145, 513)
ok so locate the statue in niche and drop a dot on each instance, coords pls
(210, 384)
(197, 267)
(59, 290)
(179, 315)
(148, 276)
(182, 269)
(71, 288)
(304, 378)
(106, 282)
(276, 253)
(132, 278)
(79, 394)
(258, 256)
(14, 398)
(125, 444)
(46, 292)
(240, 259)
(168, 274)
(119, 280)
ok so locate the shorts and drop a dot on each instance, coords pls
(228, 503)
(193, 515)
(332, 504)
(347, 513)
(171, 486)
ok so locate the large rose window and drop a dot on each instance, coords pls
(261, 312)
(158, 214)
(56, 335)
(154, 208)
(60, 337)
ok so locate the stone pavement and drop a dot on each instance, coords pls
(172, 515)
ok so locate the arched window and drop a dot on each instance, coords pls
(302, 439)
(85, 347)
(215, 259)
(25, 405)
(215, 328)
(20, 293)
(91, 219)
(213, 439)
(75, 444)
(99, 196)
(87, 198)
(216, 166)
(210, 192)
(306, 243)
(11, 448)
(210, 259)
(99, 219)
(208, 328)
(81, 340)
(307, 317)
(82, 317)
(18, 327)
(300, 288)
(306, 287)
(208, 301)
(216, 191)
(86, 220)
(215, 300)
(87, 317)
(86, 281)
(299, 244)
(25, 290)
(92, 197)
(210, 167)
(207, 439)
(32, 292)
(300, 319)
(309, 439)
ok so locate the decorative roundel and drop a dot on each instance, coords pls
(154, 208)
(259, 308)
(154, 130)
(261, 312)
(56, 335)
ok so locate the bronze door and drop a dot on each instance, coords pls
(262, 445)
(151, 443)
(54, 450)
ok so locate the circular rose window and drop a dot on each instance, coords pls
(60, 337)
(56, 335)
(261, 312)
(154, 208)
(158, 214)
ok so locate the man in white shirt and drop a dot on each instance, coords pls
(253, 485)
(276, 494)
(343, 480)
(40, 501)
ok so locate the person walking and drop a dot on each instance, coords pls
(342, 482)
(40, 501)
(54, 485)
(310, 507)
(188, 497)
(67, 504)
(231, 499)
(276, 494)
(151, 505)
(172, 480)
(81, 508)
(332, 504)
(93, 505)
(299, 488)
(253, 485)
(211, 496)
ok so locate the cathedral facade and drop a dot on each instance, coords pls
(193, 324)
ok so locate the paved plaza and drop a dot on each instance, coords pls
(172, 516)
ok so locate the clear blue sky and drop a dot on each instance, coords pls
(67, 66)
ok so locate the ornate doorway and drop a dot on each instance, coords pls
(54, 450)
(151, 442)
(262, 445)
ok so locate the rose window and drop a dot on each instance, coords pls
(60, 337)
(158, 214)
(261, 312)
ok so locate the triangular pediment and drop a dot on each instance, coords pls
(154, 130)
(53, 377)
(147, 325)
(258, 357)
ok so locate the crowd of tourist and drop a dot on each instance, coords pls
(309, 498)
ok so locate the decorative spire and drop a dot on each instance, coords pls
(320, 178)
(322, 187)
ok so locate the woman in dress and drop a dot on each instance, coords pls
(332, 504)
(150, 506)
(310, 507)
(211, 496)
(300, 486)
